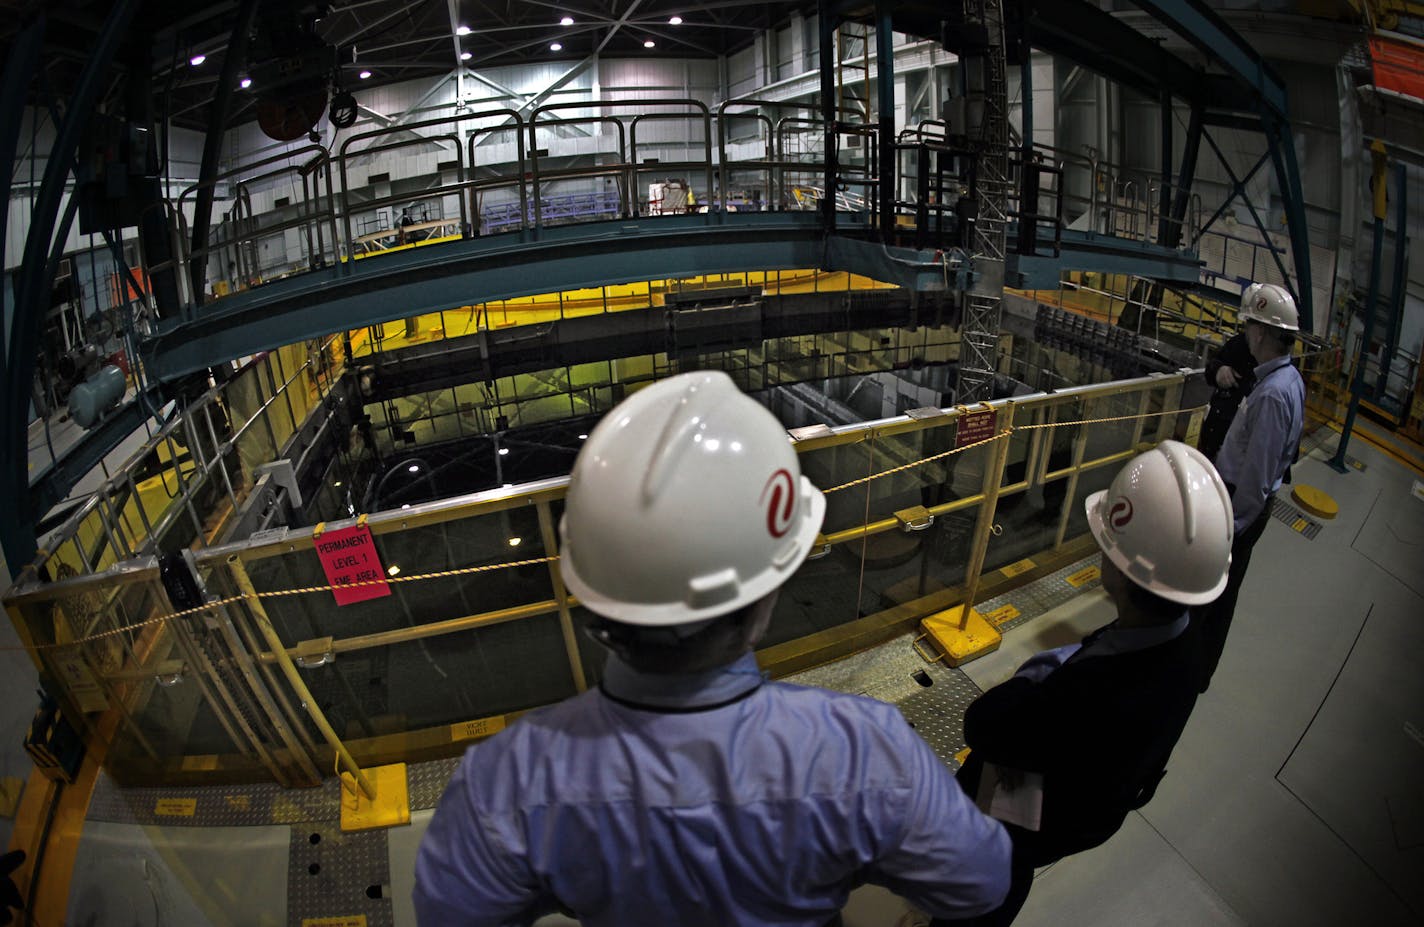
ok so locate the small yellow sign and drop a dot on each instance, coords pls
(1300, 524)
(1014, 569)
(480, 727)
(350, 920)
(202, 761)
(1002, 615)
(238, 802)
(1084, 576)
(176, 807)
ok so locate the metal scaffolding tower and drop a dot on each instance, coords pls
(986, 109)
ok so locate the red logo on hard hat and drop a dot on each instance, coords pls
(779, 496)
(1120, 513)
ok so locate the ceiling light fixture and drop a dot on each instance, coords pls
(414, 468)
(393, 570)
(514, 542)
(503, 451)
(648, 43)
(365, 75)
(674, 20)
(555, 46)
(462, 30)
(197, 60)
(246, 82)
(466, 56)
(566, 21)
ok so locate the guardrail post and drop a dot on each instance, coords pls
(294, 678)
(561, 595)
(993, 480)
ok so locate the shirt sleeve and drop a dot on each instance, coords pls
(948, 858)
(1267, 429)
(470, 869)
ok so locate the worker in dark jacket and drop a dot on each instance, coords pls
(1231, 372)
(1080, 735)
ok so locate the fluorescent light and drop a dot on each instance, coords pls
(503, 451)
(246, 82)
(583, 437)
(466, 56)
(393, 569)
(648, 43)
(337, 484)
(675, 21)
(414, 468)
(566, 21)
(197, 60)
(555, 46)
(364, 75)
(462, 30)
(514, 542)
(406, 506)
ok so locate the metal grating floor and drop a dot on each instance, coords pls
(1294, 518)
(933, 698)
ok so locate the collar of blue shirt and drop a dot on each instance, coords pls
(660, 692)
(1271, 366)
(1115, 640)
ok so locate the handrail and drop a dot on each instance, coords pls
(455, 508)
(476, 184)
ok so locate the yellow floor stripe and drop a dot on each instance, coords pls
(51, 901)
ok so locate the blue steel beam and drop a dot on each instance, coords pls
(458, 273)
(36, 276)
(14, 87)
(1106, 45)
(441, 277)
(1401, 272)
(1281, 145)
(1209, 34)
(1090, 251)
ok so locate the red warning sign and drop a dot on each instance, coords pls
(349, 556)
(975, 426)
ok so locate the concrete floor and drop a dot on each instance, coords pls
(1294, 797)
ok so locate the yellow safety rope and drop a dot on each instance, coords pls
(1004, 434)
(463, 571)
(274, 593)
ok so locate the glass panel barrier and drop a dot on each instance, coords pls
(464, 636)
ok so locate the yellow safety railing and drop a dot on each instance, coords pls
(473, 626)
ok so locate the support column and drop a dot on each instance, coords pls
(1401, 266)
(827, 24)
(1357, 385)
(35, 276)
(1164, 195)
(233, 61)
(885, 84)
(1282, 148)
(1186, 173)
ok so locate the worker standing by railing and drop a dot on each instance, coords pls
(687, 789)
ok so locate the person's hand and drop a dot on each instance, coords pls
(1226, 377)
(1037, 667)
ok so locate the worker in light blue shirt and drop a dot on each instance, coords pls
(1260, 444)
(687, 789)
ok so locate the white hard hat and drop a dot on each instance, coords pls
(686, 503)
(1270, 304)
(1166, 522)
